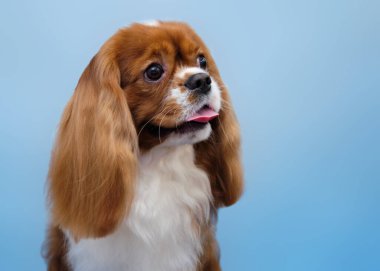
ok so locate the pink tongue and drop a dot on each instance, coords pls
(203, 115)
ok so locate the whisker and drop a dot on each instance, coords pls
(226, 104)
(159, 126)
(155, 116)
(224, 132)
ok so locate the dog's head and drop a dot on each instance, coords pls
(149, 86)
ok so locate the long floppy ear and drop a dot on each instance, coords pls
(93, 164)
(220, 155)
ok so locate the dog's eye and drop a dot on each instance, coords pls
(202, 62)
(154, 72)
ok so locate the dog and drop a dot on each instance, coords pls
(147, 151)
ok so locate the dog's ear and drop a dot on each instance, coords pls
(93, 164)
(220, 154)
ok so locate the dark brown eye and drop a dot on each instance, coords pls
(202, 62)
(154, 72)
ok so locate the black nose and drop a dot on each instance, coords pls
(199, 82)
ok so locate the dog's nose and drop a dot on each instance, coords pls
(199, 82)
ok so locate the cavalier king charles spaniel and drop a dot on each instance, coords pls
(146, 152)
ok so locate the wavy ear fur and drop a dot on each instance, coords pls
(220, 156)
(93, 164)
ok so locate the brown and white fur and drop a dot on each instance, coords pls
(133, 185)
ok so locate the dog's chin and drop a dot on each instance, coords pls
(188, 133)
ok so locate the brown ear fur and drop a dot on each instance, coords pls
(220, 155)
(93, 164)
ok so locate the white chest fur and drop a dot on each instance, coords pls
(159, 233)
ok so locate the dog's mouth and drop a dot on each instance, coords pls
(203, 115)
(195, 122)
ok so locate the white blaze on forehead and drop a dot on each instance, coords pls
(153, 23)
(189, 70)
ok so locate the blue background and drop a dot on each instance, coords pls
(304, 78)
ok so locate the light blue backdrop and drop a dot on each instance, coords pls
(304, 78)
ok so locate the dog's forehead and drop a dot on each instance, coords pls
(166, 37)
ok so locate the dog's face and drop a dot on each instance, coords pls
(148, 86)
(170, 81)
